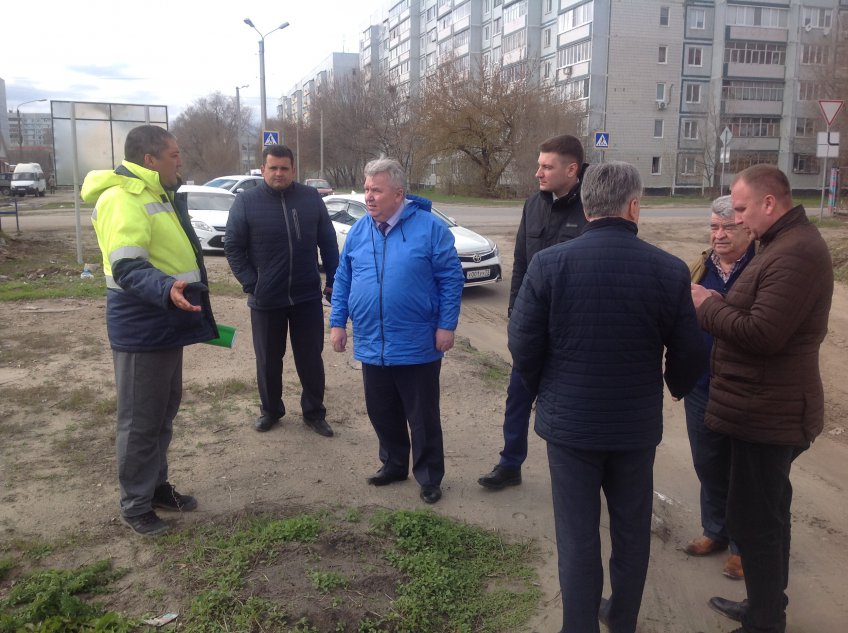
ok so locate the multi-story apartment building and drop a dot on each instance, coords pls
(663, 78)
(33, 128)
(297, 103)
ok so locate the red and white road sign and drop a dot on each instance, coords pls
(830, 108)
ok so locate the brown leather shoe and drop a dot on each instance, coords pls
(733, 567)
(704, 546)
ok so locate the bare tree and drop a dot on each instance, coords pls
(207, 132)
(490, 117)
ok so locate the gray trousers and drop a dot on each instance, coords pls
(149, 386)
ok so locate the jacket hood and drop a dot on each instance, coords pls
(416, 203)
(129, 176)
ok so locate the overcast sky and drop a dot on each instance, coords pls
(169, 52)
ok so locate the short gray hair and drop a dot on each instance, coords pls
(608, 188)
(723, 208)
(389, 166)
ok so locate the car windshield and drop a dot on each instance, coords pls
(209, 202)
(224, 183)
(319, 184)
(24, 175)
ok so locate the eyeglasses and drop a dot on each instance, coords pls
(728, 228)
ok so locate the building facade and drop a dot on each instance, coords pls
(297, 104)
(665, 79)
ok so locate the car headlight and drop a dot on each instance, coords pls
(200, 225)
(493, 246)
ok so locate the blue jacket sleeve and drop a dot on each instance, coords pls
(341, 288)
(447, 271)
(235, 246)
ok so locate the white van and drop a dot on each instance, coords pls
(28, 178)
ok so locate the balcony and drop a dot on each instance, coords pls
(756, 71)
(765, 108)
(758, 33)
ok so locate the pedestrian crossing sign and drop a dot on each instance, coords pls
(270, 138)
(601, 140)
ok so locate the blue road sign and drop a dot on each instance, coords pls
(270, 138)
(601, 140)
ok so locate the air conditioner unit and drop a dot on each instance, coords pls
(661, 105)
(808, 27)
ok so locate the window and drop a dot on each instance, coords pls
(693, 57)
(576, 53)
(660, 92)
(575, 17)
(690, 130)
(738, 15)
(547, 37)
(805, 127)
(656, 165)
(486, 33)
(574, 90)
(751, 90)
(805, 164)
(754, 53)
(514, 41)
(496, 26)
(664, 16)
(817, 18)
(688, 166)
(549, 6)
(754, 127)
(487, 6)
(662, 54)
(811, 91)
(547, 70)
(697, 18)
(659, 127)
(693, 93)
(814, 55)
(513, 12)
(743, 160)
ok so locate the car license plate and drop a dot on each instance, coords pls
(479, 273)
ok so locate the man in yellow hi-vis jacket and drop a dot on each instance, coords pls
(157, 302)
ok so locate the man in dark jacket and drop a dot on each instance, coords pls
(273, 232)
(766, 390)
(587, 335)
(157, 302)
(551, 216)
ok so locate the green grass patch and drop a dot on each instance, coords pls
(489, 366)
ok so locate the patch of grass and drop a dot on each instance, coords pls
(49, 600)
(327, 581)
(461, 578)
(490, 367)
(6, 566)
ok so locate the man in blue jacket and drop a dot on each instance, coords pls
(273, 232)
(157, 302)
(587, 335)
(400, 282)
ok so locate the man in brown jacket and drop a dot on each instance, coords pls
(766, 390)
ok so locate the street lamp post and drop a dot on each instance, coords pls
(21, 127)
(249, 22)
(238, 127)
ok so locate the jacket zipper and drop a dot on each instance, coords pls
(382, 275)
(291, 246)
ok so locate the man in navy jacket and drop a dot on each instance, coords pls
(587, 335)
(273, 233)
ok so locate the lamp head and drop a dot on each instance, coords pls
(249, 22)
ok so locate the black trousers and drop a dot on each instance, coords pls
(577, 479)
(305, 323)
(407, 394)
(759, 519)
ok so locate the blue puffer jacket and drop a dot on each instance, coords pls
(400, 288)
(587, 334)
(271, 245)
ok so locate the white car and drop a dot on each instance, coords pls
(209, 208)
(481, 262)
(235, 183)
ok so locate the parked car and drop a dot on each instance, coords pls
(235, 183)
(209, 208)
(5, 183)
(323, 186)
(481, 262)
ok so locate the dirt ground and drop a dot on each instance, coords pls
(57, 479)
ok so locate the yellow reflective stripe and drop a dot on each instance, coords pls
(153, 208)
(190, 277)
(128, 252)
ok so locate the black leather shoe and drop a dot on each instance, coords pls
(430, 494)
(383, 478)
(729, 608)
(320, 426)
(500, 478)
(264, 423)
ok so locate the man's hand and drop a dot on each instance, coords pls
(338, 338)
(700, 294)
(178, 297)
(444, 340)
(328, 294)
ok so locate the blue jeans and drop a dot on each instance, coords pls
(516, 425)
(711, 457)
(577, 478)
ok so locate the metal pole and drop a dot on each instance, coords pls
(76, 181)
(262, 81)
(321, 175)
(824, 176)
